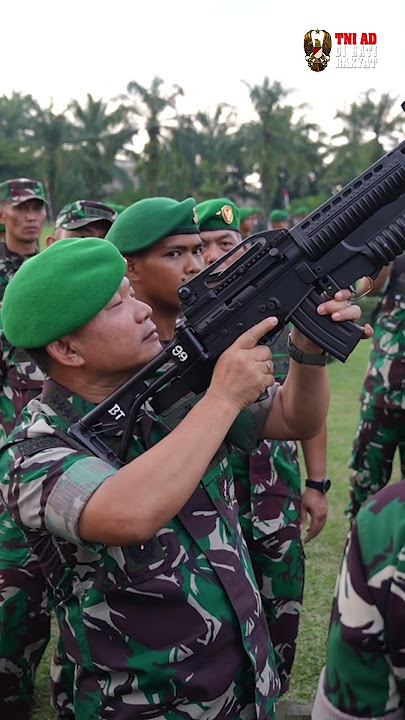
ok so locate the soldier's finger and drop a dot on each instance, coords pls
(251, 337)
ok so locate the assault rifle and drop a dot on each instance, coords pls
(283, 273)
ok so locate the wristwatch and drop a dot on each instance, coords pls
(306, 358)
(321, 485)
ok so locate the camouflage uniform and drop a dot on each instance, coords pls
(268, 489)
(365, 670)
(172, 628)
(382, 421)
(24, 612)
(25, 600)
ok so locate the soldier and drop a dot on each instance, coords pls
(24, 597)
(82, 218)
(248, 217)
(364, 676)
(300, 214)
(162, 253)
(268, 483)
(279, 219)
(381, 429)
(23, 213)
(157, 603)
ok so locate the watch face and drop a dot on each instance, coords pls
(326, 485)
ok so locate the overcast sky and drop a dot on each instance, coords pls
(63, 50)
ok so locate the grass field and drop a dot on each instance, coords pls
(323, 553)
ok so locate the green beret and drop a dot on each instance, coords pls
(278, 215)
(218, 214)
(60, 290)
(247, 212)
(147, 221)
(303, 210)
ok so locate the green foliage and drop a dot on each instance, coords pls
(86, 151)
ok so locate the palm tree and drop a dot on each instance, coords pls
(151, 104)
(102, 135)
(18, 115)
(267, 138)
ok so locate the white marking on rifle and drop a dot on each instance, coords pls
(179, 353)
(116, 412)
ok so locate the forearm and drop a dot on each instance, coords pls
(315, 454)
(131, 505)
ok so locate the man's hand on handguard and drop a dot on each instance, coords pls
(245, 370)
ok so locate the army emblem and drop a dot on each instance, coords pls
(317, 49)
(195, 215)
(227, 214)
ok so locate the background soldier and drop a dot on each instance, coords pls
(23, 213)
(82, 218)
(268, 482)
(365, 667)
(249, 220)
(160, 241)
(279, 219)
(138, 567)
(381, 430)
(24, 597)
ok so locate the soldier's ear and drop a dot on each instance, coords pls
(65, 352)
(132, 269)
(49, 241)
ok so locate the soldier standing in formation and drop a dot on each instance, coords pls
(381, 429)
(268, 481)
(364, 677)
(121, 553)
(24, 595)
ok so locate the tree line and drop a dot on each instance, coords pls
(87, 150)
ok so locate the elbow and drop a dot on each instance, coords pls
(116, 528)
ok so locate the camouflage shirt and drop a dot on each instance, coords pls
(20, 378)
(173, 628)
(9, 264)
(384, 383)
(365, 671)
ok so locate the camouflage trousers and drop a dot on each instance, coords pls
(25, 629)
(380, 432)
(269, 496)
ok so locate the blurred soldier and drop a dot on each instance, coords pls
(157, 603)
(268, 483)
(364, 678)
(300, 214)
(23, 213)
(24, 596)
(381, 430)
(279, 219)
(82, 218)
(248, 220)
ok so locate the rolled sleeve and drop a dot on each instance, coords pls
(247, 430)
(70, 495)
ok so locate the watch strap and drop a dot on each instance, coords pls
(306, 358)
(321, 485)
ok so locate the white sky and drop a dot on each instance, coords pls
(62, 50)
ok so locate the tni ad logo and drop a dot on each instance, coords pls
(317, 46)
(351, 54)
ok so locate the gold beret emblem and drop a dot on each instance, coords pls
(227, 214)
(195, 215)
